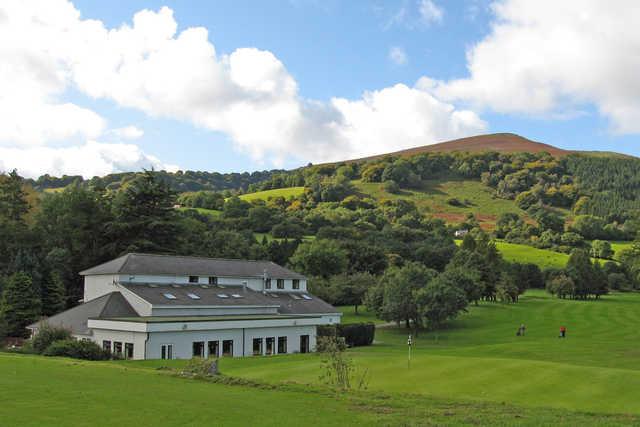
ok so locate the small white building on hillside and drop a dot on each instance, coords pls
(142, 306)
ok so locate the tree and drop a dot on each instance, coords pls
(465, 280)
(601, 249)
(20, 305)
(440, 300)
(400, 285)
(580, 269)
(144, 218)
(53, 295)
(351, 289)
(322, 258)
(561, 286)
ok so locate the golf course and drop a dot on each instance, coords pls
(476, 370)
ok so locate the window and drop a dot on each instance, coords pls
(166, 351)
(304, 343)
(117, 348)
(296, 284)
(214, 348)
(257, 346)
(106, 345)
(267, 284)
(167, 295)
(282, 345)
(198, 349)
(213, 280)
(193, 296)
(194, 279)
(269, 345)
(227, 348)
(280, 284)
(128, 350)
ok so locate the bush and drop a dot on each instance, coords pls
(48, 335)
(455, 202)
(391, 186)
(357, 334)
(354, 335)
(87, 350)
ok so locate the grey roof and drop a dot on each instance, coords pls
(285, 301)
(173, 265)
(75, 319)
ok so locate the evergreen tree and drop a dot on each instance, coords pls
(20, 305)
(53, 295)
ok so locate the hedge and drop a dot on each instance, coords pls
(87, 350)
(354, 334)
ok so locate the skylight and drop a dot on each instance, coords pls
(153, 285)
(223, 296)
(169, 296)
(193, 296)
(175, 285)
(307, 297)
(204, 286)
(236, 295)
(294, 296)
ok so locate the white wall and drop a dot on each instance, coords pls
(183, 340)
(136, 338)
(98, 285)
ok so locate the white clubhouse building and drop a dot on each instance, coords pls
(142, 306)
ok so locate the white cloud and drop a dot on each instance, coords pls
(88, 160)
(548, 57)
(430, 12)
(128, 132)
(397, 55)
(247, 94)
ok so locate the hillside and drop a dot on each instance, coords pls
(499, 142)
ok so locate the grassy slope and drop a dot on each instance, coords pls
(211, 212)
(269, 194)
(480, 358)
(433, 196)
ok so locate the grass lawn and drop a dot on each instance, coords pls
(211, 212)
(269, 194)
(619, 246)
(479, 358)
(432, 197)
(349, 315)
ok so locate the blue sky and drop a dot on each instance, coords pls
(450, 59)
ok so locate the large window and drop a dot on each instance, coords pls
(194, 279)
(214, 348)
(282, 345)
(117, 348)
(213, 280)
(280, 284)
(198, 349)
(257, 346)
(296, 284)
(227, 348)
(106, 345)
(128, 350)
(267, 284)
(269, 344)
(166, 351)
(304, 343)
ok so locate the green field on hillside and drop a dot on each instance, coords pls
(433, 196)
(211, 212)
(480, 358)
(270, 194)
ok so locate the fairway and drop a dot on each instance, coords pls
(479, 357)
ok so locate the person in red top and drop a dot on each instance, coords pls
(563, 331)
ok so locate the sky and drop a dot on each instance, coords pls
(90, 88)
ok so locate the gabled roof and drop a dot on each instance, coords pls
(173, 265)
(287, 302)
(75, 319)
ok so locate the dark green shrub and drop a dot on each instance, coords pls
(354, 335)
(86, 350)
(357, 334)
(391, 186)
(47, 335)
